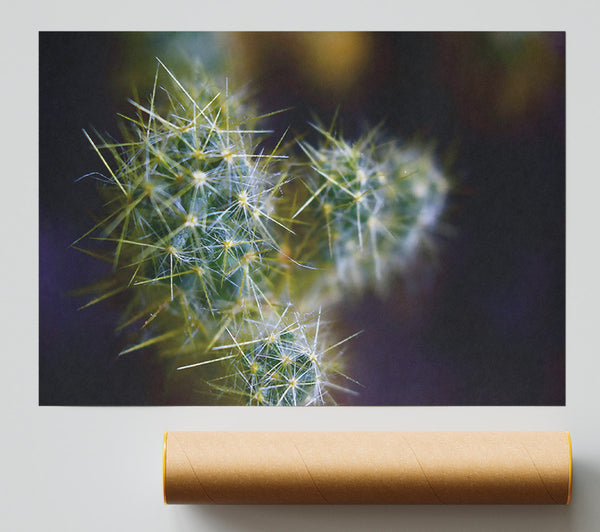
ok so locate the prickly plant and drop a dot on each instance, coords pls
(369, 207)
(193, 238)
(278, 356)
(206, 236)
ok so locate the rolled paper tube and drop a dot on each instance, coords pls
(367, 467)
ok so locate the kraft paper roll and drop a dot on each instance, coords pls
(367, 467)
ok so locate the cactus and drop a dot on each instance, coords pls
(205, 236)
(370, 206)
(278, 358)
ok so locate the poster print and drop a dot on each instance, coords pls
(302, 218)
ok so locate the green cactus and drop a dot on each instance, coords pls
(224, 266)
(278, 357)
(370, 206)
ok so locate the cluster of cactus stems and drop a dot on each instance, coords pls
(228, 254)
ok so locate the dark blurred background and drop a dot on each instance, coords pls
(483, 324)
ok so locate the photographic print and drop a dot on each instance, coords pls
(302, 218)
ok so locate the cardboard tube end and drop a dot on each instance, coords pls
(570, 467)
(164, 467)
